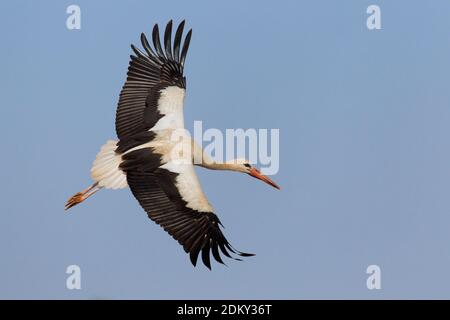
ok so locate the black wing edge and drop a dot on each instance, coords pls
(159, 55)
(210, 242)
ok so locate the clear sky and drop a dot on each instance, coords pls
(365, 149)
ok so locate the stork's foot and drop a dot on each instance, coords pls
(74, 200)
(81, 196)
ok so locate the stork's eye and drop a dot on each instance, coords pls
(247, 165)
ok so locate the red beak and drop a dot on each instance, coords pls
(258, 175)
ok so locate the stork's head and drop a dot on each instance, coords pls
(243, 165)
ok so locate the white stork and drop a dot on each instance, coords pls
(150, 108)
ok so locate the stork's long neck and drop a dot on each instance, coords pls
(219, 166)
(209, 163)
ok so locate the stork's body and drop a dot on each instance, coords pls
(147, 157)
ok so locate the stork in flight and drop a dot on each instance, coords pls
(150, 109)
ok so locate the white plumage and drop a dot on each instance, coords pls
(105, 169)
(170, 106)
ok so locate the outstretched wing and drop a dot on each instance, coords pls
(149, 73)
(172, 197)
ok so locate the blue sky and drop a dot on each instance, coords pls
(364, 149)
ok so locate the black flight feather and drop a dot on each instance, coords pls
(168, 40)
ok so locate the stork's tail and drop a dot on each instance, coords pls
(81, 196)
(105, 172)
